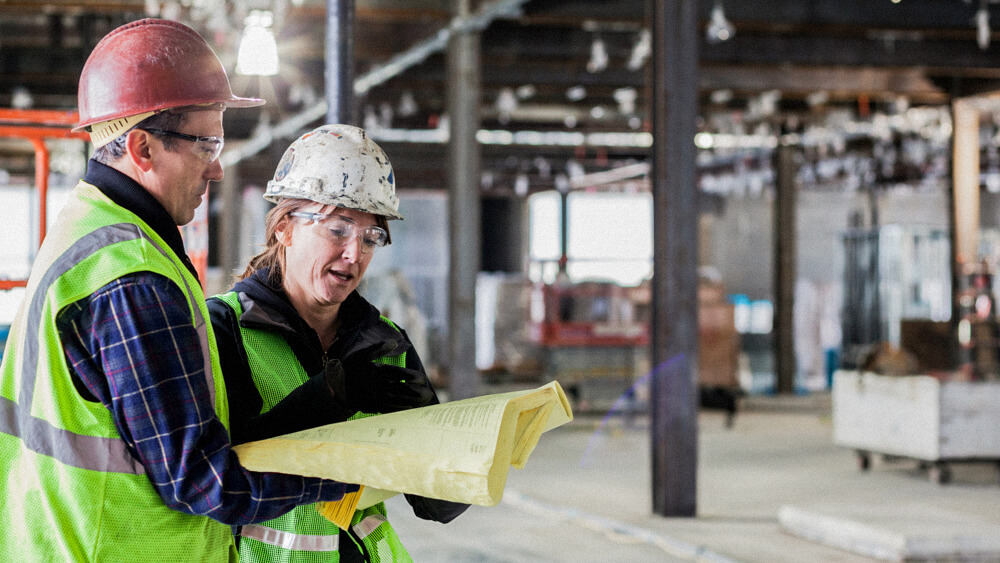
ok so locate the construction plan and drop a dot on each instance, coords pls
(459, 451)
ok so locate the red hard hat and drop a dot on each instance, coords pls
(151, 65)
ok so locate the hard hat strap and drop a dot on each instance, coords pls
(106, 131)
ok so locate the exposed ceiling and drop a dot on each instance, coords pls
(789, 63)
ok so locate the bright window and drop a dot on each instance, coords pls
(610, 236)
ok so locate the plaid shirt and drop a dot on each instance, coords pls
(133, 348)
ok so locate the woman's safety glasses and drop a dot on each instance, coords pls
(341, 230)
(205, 148)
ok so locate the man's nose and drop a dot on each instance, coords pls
(214, 172)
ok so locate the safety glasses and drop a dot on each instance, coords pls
(205, 148)
(341, 230)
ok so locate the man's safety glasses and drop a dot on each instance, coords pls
(342, 231)
(205, 148)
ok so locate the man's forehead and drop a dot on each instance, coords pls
(204, 119)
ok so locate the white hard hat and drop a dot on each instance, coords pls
(337, 165)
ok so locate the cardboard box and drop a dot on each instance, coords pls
(718, 346)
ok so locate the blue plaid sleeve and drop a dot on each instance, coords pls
(132, 347)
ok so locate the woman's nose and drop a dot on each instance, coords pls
(352, 249)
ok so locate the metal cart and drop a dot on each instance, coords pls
(936, 422)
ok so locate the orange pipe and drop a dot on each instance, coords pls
(42, 183)
(39, 116)
(40, 132)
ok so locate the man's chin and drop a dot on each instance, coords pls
(184, 219)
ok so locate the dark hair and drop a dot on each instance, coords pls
(169, 120)
(273, 255)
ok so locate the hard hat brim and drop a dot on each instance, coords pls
(239, 102)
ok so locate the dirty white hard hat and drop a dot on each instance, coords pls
(337, 165)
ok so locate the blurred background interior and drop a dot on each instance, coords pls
(890, 105)
(846, 231)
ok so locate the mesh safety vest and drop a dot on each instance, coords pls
(304, 535)
(69, 489)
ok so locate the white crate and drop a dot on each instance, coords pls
(916, 416)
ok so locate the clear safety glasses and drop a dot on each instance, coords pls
(205, 148)
(342, 231)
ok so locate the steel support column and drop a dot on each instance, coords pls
(340, 61)
(464, 206)
(674, 351)
(785, 221)
(229, 226)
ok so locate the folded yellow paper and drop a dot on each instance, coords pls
(459, 451)
(341, 511)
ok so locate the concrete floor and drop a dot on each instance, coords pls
(585, 496)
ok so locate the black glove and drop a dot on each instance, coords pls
(310, 405)
(442, 511)
(377, 388)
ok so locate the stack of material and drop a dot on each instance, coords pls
(502, 343)
(718, 341)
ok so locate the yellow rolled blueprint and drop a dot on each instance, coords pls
(459, 451)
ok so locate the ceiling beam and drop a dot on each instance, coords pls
(873, 50)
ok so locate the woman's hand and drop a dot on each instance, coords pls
(360, 384)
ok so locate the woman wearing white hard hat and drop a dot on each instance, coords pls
(299, 345)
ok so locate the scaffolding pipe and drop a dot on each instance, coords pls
(339, 61)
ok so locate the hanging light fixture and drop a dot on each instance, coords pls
(598, 56)
(258, 53)
(983, 25)
(719, 28)
(407, 104)
(641, 51)
(525, 91)
(576, 93)
(506, 104)
(21, 98)
(626, 100)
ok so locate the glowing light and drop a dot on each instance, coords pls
(258, 52)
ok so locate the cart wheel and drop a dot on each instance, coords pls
(940, 473)
(864, 460)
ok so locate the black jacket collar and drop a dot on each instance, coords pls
(126, 192)
(265, 305)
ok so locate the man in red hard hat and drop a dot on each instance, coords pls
(114, 441)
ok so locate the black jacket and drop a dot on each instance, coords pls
(266, 307)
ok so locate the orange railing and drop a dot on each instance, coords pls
(36, 126)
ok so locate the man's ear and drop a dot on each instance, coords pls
(138, 150)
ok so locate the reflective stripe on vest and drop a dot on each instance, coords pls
(275, 370)
(71, 489)
(288, 540)
(365, 527)
(40, 436)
